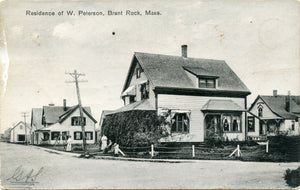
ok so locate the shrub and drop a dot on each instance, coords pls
(292, 177)
(134, 128)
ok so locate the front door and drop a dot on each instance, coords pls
(213, 126)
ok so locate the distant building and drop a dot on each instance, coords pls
(204, 97)
(272, 115)
(20, 133)
(52, 124)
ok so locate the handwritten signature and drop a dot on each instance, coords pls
(19, 176)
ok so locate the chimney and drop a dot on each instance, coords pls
(275, 93)
(65, 104)
(184, 51)
(288, 102)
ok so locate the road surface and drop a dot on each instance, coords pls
(52, 170)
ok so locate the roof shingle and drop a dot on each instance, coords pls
(168, 71)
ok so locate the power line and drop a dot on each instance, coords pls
(75, 76)
(25, 114)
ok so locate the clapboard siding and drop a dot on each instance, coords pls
(194, 104)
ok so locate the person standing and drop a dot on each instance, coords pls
(69, 144)
(103, 142)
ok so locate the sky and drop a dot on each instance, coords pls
(259, 40)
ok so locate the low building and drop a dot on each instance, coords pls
(272, 115)
(20, 133)
(203, 98)
(52, 124)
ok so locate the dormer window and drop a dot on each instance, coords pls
(207, 83)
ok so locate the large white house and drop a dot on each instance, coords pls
(204, 97)
(52, 124)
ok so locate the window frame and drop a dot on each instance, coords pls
(52, 136)
(182, 117)
(89, 132)
(138, 72)
(144, 88)
(260, 112)
(23, 136)
(249, 118)
(75, 136)
(206, 80)
(230, 127)
(77, 123)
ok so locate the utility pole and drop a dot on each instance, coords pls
(75, 76)
(24, 114)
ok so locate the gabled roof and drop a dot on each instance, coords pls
(140, 105)
(170, 71)
(86, 110)
(36, 118)
(277, 105)
(54, 114)
(221, 105)
(19, 123)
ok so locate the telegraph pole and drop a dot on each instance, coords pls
(24, 114)
(75, 76)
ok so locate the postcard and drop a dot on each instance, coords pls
(152, 94)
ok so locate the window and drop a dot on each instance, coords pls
(76, 121)
(45, 137)
(251, 124)
(207, 83)
(138, 72)
(21, 137)
(131, 99)
(260, 112)
(226, 122)
(293, 125)
(77, 135)
(55, 135)
(89, 135)
(231, 123)
(145, 91)
(64, 135)
(236, 123)
(180, 123)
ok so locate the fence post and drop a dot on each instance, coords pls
(193, 151)
(238, 151)
(152, 150)
(267, 146)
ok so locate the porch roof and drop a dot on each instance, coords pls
(221, 105)
(55, 127)
(140, 105)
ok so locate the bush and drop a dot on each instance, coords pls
(292, 177)
(134, 128)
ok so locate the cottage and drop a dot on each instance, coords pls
(20, 133)
(52, 124)
(204, 97)
(272, 115)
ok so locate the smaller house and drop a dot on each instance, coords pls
(52, 124)
(19, 133)
(272, 115)
(98, 130)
